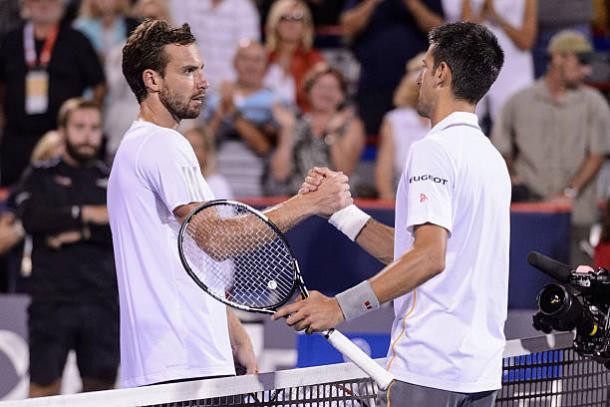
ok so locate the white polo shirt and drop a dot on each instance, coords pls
(449, 332)
(170, 328)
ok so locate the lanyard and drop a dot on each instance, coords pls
(30, 46)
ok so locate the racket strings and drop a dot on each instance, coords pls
(238, 257)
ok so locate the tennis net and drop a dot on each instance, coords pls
(539, 371)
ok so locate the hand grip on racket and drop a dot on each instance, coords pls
(239, 257)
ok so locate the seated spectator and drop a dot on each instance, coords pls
(105, 23)
(50, 146)
(219, 26)
(554, 135)
(329, 135)
(203, 146)
(289, 39)
(400, 128)
(67, 67)
(514, 24)
(241, 121)
(121, 105)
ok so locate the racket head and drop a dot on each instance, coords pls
(254, 270)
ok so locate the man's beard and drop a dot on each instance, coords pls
(178, 108)
(81, 157)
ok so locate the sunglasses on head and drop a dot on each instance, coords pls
(294, 16)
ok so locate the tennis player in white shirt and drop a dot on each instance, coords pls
(170, 329)
(447, 258)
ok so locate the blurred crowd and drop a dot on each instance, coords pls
(302, 83)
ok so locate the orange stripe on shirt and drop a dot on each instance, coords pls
(404, 328)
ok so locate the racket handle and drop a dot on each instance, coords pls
(382, 377)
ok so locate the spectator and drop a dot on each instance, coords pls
(555, 16)
(219, 26)
(105, 23)
(329, 135)
(203, 146)
(240, 119)
(62, 205)
(121, 105)
(289, 39)
(400, 128)
(59, 64)
(158, 9)
(514, 24)
(49, 147)
(384, 35)
(554, 135)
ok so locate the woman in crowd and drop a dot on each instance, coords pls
(289, 38)
(400, 128)
(328, 135)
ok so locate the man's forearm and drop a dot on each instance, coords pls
(378, 240)
(353, 21)
(425, 18)
(587, 171)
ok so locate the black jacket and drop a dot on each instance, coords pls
(48, 201)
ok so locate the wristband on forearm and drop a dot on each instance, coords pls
(357, 301)
(350, 221)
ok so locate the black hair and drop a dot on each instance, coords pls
(473, 55)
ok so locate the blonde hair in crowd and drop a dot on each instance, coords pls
(280, 8)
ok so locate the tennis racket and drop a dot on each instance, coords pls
(238, 256)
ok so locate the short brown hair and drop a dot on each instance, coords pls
(145, 50)
(321, 69)
(70, 106)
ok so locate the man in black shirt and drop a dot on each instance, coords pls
(42, 64)
(62, 204)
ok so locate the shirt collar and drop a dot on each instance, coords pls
(454, 118)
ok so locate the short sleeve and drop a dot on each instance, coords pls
(429, 180)
(599, 142)
(167, 165)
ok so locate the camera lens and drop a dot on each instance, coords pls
(553, 300)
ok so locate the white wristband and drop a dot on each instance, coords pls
(349, 220)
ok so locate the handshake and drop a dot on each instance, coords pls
(325, 191)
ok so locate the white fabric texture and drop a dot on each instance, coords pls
(449, 332)
(170, 329)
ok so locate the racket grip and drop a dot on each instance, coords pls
(382, 377)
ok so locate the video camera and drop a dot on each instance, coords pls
(580, 301)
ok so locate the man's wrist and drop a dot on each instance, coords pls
(350, 221)
(357, 301)
(571, 192)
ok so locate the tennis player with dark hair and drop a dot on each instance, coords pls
(447, 258)
(170, 329)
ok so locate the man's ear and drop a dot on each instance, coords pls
(442, 76)
(152, 80)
